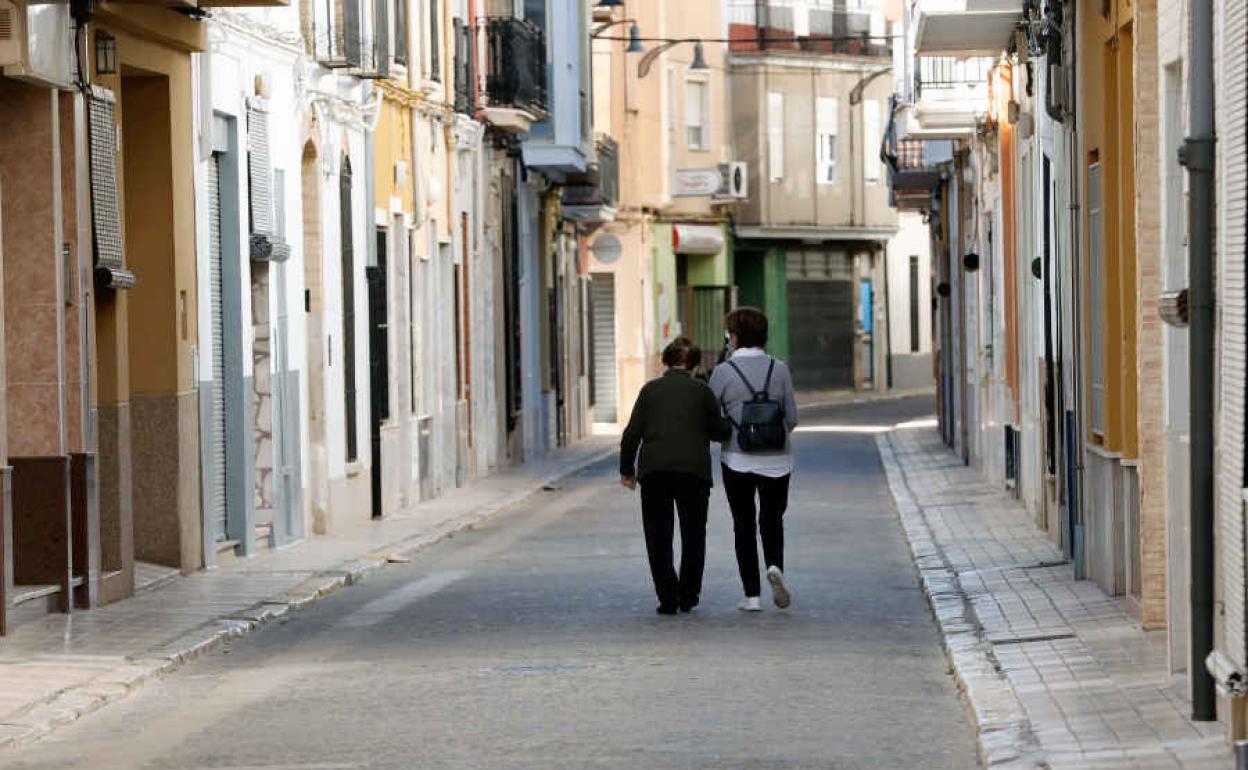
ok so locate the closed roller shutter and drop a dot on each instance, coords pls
(1232, 299)
(602, 321)
(821, 320)
(216, 408)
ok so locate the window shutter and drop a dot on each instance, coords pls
(110, 261)
(266, 244)
(775, 135)
(351, 32)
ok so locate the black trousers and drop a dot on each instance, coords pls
(749, 523)
(690, 495)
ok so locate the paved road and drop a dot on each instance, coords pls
(532, 643)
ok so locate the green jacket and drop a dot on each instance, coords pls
(673, 422)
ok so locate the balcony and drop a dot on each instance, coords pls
(592, 197)
(351, 35)
(950, 96)
(516, 79)
(965, 28)
(801, 28)
(915, 167)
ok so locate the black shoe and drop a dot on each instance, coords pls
(687, 606)
(666, 609)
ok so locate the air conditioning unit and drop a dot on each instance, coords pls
(734, 181)
(37, 43)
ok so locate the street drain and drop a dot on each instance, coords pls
(1029, 639)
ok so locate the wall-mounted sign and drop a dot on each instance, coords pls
(705, 240)
(696, 182)
(607, 248)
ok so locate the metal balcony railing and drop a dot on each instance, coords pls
(950, 73)
(517, 65)
(767, 26)
(600, 185)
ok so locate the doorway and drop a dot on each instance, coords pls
(378, 364)
(313, 308)
(603, 377)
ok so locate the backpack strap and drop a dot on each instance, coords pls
(767, 383)
(748, 386)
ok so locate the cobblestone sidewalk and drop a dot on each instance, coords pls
(1057, 673)
(57, 668)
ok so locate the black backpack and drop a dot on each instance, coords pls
(762, 427)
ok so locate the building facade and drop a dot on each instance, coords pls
(1042, 146)
(810, 92)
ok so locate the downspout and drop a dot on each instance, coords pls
(1197, 155)
(1075, 441)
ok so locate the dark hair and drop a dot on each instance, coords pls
(677, 352)
(693, 357)
(750, 326)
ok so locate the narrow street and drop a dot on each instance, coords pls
(531, 642)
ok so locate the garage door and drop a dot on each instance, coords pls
(821, 320)
(602, 340)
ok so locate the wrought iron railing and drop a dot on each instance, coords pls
(950, 73)
(517, 64)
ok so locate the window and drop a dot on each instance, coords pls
(435, 43)
(775, 136)
(871, 141)
(914, 303)
(348, 309)
(1096, 313)
(697, 111)
(825, 138)
(400, 32)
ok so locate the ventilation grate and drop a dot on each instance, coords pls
(8, 24)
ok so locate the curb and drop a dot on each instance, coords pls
(71, 704)
(1003, 730)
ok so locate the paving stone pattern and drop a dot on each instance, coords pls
(57, 668)
(1058, 674)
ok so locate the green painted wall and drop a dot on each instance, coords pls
(776, 302)
(762, 282)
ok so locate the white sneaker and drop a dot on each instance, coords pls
(779, 589)
(750, 604)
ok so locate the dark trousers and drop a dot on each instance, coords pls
(690, 495)
(749, 523)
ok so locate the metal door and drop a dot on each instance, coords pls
(216, 471)
(603, 375)
(821, 334)
(378, 364)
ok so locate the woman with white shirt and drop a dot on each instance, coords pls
(756, 481)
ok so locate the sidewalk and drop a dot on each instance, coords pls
(1057, 673)
(816, 398)
(56, 669)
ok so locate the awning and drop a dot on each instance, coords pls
(697, 239)
(965, 33)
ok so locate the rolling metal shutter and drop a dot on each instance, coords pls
(216, 512)
(1232, 299)
(602, 320)
(110, 262)
(821, 320)
(266, 242)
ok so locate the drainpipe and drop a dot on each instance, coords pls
(1197, 156)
